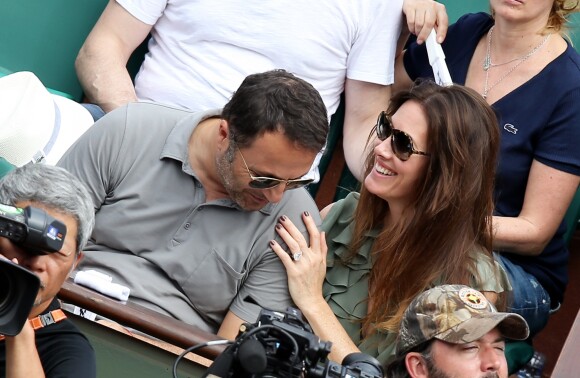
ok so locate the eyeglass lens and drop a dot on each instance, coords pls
(401, 143)
(267, 183)
(271, 182)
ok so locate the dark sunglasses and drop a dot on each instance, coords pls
(271, 182)
(401, 142)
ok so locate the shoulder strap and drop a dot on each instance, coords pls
(44, 320)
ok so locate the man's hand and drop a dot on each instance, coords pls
(424, 15)
(22, 360)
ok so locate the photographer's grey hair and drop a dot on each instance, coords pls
(55, 188)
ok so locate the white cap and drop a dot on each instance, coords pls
(35, 125)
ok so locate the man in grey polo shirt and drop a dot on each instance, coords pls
(186, 203)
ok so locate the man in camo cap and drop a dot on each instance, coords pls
(454, 331)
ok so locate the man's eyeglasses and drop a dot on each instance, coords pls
(271, 182)
(401, 142)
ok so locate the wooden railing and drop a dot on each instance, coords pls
(164, 328)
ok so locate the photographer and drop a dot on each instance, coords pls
(58, 348)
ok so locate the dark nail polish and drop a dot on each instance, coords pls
(306, 214)
(278, 226)
(272, 243)
(283, 218)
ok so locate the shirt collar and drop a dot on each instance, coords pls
(177, 148)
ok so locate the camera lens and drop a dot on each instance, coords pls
(5, 291)
(18, 291)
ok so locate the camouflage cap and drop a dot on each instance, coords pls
(456, 314)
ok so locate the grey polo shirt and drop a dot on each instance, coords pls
(154, 232)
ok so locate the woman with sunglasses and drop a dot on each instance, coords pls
(520, 62)
(422, 218)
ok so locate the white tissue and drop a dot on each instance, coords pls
(98, 274)
(437, 61)
(102, 283)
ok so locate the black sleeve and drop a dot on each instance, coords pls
(65, 352)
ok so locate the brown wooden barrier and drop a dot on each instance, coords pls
(140, 318)
(329, 181)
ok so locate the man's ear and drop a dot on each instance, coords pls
(79, 256)
(416, 365)
(223, 135)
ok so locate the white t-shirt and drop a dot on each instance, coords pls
(201, 50)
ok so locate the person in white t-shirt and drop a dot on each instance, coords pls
(200, 51)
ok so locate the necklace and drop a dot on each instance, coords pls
(487, 63)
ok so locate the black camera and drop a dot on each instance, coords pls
(283, 345)
(32, 229)
(37, 233)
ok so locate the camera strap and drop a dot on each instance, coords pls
(44, 320)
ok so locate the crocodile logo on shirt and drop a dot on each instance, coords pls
(510, 128)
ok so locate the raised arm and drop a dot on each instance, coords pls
(363, 103)
(421, 17)
(548, 194)
(22, 359)
(424, 15)
(402, 79)
(101, 63)
(364, 100)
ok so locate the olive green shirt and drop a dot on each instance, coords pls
(346, 285)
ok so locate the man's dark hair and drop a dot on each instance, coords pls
(398, 369)
(277, 101)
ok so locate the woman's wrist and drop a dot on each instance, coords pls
(316, 308)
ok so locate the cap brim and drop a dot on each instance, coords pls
(511, 326)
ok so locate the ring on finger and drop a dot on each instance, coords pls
(296, 256)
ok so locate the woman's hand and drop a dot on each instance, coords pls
(305, 262)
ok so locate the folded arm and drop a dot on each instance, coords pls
(101, 63)
(548, 195)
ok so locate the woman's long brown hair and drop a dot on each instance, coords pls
(451, 212)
